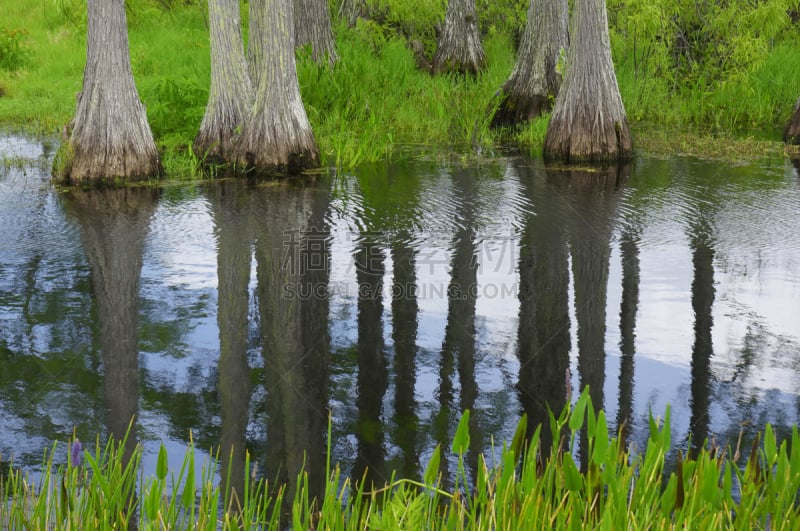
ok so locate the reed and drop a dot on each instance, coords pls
(521, 484)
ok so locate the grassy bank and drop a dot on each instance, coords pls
(521, 485)
(375, 98)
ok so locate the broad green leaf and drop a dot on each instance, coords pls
(187, 499)
(600, 453)
(591, 420)
(770, 448)
(518, 442)
(794, 456)
(461, 440)
(161, 464)
(578, 412)
(572, 476)
(432, 469)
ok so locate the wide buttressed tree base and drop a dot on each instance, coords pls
(277, 135)
(459, 48)
(231, 96)
(110, 138)
(792, 134)
(589, 122)
(535, 81)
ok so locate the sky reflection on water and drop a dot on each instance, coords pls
(668, 282)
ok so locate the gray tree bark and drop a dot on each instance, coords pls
(589, 121)
(231, 96)
(277, 136)
(110, 136)
(533, 85)
(257, 51)
(312, 25)
(792, 134)
(459, 48)
(351, 10)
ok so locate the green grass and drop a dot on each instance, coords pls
(520, 485)
(374, 99)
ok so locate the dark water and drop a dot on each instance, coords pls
(394, 297)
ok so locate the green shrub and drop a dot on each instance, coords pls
(13, 50)
(176, 107)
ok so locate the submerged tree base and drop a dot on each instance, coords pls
(515, 109)
(588, 138)
(263, 165)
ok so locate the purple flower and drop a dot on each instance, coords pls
(75, 453)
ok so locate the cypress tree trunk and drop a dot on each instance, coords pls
(277, 135)
(312, 24)
(589, 121)
(792, 134)
(231, 95)
(351, 10)
(459, 48)
(256, 39)
(110, 137)
(535, 80)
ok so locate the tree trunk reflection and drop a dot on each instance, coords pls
(113, 226)
(593, 196)
(702, 350)
(372, 371)
(629, 249)
(459, 337)
(292, 274)
(229, 207)
(543, 336)
(404, 335)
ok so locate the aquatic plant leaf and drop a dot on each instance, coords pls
(461, 439)
(432, 469)
(600, 453)
(187, 498)
(578, 412)
(572, 476)
(770, 447)
(161, 464)
(518, 442)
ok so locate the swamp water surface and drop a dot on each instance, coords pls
(394, 297)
